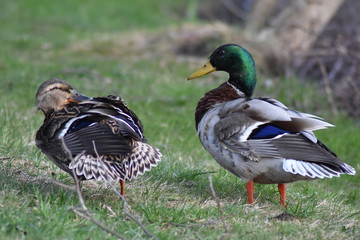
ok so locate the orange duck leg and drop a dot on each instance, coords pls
(250, 192)
(122, 187)
(282, 191)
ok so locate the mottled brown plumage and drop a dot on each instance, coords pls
(100, 138)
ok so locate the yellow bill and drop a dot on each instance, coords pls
(206, 69)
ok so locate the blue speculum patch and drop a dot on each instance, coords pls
(267, 131)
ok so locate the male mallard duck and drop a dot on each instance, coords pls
(100, 138)
(259, 139)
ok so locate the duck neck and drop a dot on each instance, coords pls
(224, 93)
(243, 82)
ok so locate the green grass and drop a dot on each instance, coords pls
(87, 44)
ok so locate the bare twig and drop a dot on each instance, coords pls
(125, 205)
(353, 85)
(127, 213)
(217, 202)
(351, 81)
(85, 213)
(95, 149)
(327, 87)
(79, 192)
(55, 182)
(202, 173)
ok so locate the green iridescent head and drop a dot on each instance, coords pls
(236, 61)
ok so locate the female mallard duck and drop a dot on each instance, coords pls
(259, 139)
(99, 138)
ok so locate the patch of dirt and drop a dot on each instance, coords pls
(44, 173)
(285, 217)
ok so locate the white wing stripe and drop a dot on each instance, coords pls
(309, 169)
(68, 124)
(137, 130)
(315, 170)
(301, 169)
(350, 169)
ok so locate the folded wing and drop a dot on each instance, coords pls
(265, 128)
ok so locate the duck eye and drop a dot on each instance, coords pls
(222, 53)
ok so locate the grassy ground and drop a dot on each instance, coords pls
(99, 48)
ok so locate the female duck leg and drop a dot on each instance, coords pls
(122, 187)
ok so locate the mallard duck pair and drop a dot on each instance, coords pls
(95, 138)
(259, 139)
